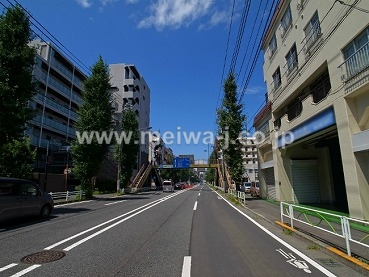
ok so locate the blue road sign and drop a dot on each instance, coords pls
(181, 162)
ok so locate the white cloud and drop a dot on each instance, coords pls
(255, 90)
(105, 2)
(84, 3)
(175, 13)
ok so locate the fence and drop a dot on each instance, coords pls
(61, 197)
(352, 231)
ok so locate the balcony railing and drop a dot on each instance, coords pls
(356, 63)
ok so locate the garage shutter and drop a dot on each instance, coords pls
(270, 183)
(305, 181)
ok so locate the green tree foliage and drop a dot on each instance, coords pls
(94, 115)
(231, 119)
(16, 159)
(127, 152)
(16, 86)
(210, 173)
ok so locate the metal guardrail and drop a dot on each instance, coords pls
(66, 196)
(351, 230)
(240, 195)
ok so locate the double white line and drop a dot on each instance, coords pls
(130, 213)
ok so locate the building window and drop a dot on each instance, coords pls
(291, 59)
(312, 32)
(277, 124)
(300, 5)
(356, 54)
(286, 21)
(294, 109)
(277, 78)
(272, 48)
(320, 87)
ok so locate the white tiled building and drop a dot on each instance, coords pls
(316, 67)
(130, 90)
(249, 160)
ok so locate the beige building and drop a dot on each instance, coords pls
(316, 120)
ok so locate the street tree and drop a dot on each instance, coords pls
(16, 158)
(127, 152)
(231, 121)
(16, 86)
(16, 91)
(94, 115)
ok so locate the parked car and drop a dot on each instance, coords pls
(19, 197)
(179, 186)
(254, 189)
(246, 187)
(168, 186)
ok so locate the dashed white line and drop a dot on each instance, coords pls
(7, 267)
(117, 223)
(24, 271)
(199, 193)
(195, 206)
(74, 203)
(115, 202)
(186, 268)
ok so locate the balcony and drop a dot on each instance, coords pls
(355, 69)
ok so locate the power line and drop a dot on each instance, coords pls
(52, 38)
(258, 51)
(225, 60)
(241, 31)
(341, 19)
(251, 35)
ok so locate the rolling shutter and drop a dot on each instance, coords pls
(305, 181)
(270, 182)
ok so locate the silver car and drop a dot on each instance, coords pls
(19, 197)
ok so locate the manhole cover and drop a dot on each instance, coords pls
(329, 262)
(42, 257)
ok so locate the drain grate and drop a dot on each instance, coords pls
(330, 262)
(43, 257)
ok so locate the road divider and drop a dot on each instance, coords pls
(133, 212)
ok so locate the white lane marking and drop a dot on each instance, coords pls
(291, 259)
(199, 193)
(74, 203)
(7, 267)
(195, 206)
(21, 273)
(115, 202)
(115, 224)
(97, 226)
(302, 255)
(186, 268)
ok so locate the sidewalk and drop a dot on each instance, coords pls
(329, 243)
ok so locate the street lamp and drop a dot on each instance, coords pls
(223, 169)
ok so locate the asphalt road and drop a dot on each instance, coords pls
(192, 232)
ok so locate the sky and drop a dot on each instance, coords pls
(183, 48)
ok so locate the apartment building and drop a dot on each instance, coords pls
(316, 68)
(249, 160)
(60, 93)
(130, 90)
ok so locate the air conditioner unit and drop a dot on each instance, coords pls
(299, 6)
(343, 77)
